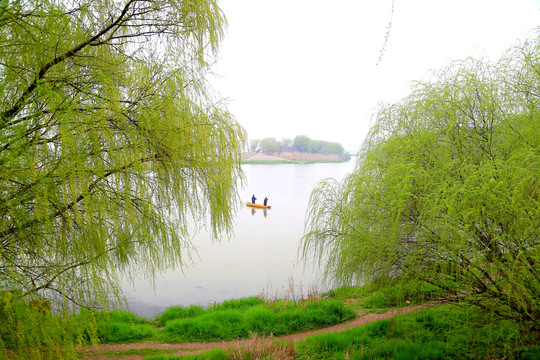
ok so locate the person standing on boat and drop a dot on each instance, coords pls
(253, 198)
(265, 201)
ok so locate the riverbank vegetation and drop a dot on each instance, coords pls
(446, 329)
(24, 325)
(444, 332)
(239, 319)
(230, 320)
(110, 145)
(446, 190)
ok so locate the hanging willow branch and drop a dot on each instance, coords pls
(386, 35)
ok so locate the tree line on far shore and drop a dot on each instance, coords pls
(301, 143)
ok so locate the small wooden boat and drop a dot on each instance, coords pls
(260, 206)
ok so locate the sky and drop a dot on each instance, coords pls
(309, 67)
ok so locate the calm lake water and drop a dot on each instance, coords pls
(260, 257)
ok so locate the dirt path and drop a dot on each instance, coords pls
(99, 353)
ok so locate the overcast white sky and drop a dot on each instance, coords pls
(308, 67)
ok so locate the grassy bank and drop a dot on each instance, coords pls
(445, 331)
(234, 319)
(230, 320)
(450, 330)
(442, 332)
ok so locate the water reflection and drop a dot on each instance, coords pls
(255, 211)
(262, 254)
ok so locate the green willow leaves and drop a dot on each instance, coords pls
(446, 189)
(111, 145)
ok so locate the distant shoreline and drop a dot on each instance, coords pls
(289, 158)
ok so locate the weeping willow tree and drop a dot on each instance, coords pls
(446, 189)
(112, 147)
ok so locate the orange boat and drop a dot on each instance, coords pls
(260, 206)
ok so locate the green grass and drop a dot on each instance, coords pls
(216, 354)
(30, 332)
(449, 331)
(116, 327)
(118, 332)
(237, 319)
(399, 294)
(348, 292)
(312, 316)
(440, 332)
(233, 319)
(143, 352)
(384, 295)
(178, 312)
(254, 348)
(443, 332)
(181, 312)
(222, 325)
(238, 304)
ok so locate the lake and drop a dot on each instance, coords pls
(261, 257)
